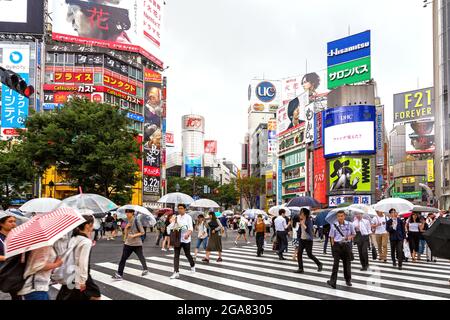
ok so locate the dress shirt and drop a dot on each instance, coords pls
(347, 230)
(280, 224)
(362, 226)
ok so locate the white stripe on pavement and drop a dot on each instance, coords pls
(288, 283)
(371, 277)
(177, 283)
(229, 282)
(132, 288)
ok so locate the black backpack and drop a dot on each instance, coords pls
(11, 274)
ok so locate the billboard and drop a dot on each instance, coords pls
(193, 123)
(414, 105)
(192, 165)
(170, 139)
(318, 135)
(309, 125)
(350, 174)
(264, 96)
(420, 137)
(14, 106)
(349, 60)
(349, 130)
(211, 147)
(22, 16)
(280, 182)
(430, 170)
(335, 201)
(320, 182)
(152, 133)
(133, 26)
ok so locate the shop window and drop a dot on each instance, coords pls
(70, 59)
(50, 58)
(98, 79)
(139, 92)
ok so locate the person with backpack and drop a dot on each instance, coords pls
(39, 265)
(242, 231)
(133, 243)
(215, 238)
(7, 223)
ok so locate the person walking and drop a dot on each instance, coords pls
(160, 227)
(97, 228)
(305, 237)
(250, 227)
(341, 235)
(280, 227)
(224, 221)
(413, 227)
(242, 230)
(133, 243)
(166, 234)
(396, 229)
(183, 224)
(7, 223)
(260, 235)
(109, 226)
(215, 238)
(202, 235)
(422, 241)
(83, 286)
(326, 235)
(381, 235)
(430, 220)
(295, 239)
(363, 230)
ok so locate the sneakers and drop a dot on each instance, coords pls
(144, 273)
(170, 249)
(117, 276)
(235, 243)
(219, 260)
(176, 275)
(248, 242)
(192, 269)
(163, 249)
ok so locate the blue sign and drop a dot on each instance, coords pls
(135, 117)
(266, 91)
(348, 114)
(280, 182)
(14, 107)
(51, 106)
(193, 165)
(348, 49)
(16, 57)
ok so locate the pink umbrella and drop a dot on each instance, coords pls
(42, 231)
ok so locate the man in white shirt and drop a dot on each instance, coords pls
(183, 222)
(381, 235)
(363, 230)
(280, 228)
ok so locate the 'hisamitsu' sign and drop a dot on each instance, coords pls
(414, 105)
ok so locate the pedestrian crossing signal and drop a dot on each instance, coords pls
(15, 82)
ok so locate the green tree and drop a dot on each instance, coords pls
(186, 185)
(251, 188)
(228, 195)
(15, 174)
(90, 142)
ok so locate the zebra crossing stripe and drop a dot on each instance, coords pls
(413, 270)
(227, 282)
(370, 276)
(288, 283)
(389, 270)
(131, 287)
(58, 287)
(177, 283)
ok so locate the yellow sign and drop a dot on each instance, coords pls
(430, 170)
(408, 180)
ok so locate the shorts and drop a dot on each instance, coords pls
(241, 231)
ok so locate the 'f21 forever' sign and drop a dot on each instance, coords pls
(414, 105)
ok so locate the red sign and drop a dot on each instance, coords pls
(74, 77)
(193, 123)
(320, 183)
(152, 171)
(119, 84)
(170, 139)
(210, 147)
(152, 76)
(10, 132)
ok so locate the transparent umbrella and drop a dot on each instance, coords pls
(204, 203)
(176, 198)
(94, 202)
(40, 205)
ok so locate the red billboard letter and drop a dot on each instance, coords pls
(101, 17)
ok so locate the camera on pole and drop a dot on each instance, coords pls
(15, 82)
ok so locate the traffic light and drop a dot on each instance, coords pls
(15, 82)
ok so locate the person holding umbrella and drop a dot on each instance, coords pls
(7, 223)
(341, 235)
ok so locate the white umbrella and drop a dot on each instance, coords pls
(19, 218)
(252, 213)
(399, 204)
(367, 211)
(228, 213)
(204, 203)
(138, 209)
(145, 216)
(94, 202)
(176, 198)
(274, 211)
(41, 205)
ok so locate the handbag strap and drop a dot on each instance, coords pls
(339, 230)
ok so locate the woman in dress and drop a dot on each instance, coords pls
(215, 239)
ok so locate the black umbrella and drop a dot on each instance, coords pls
(438, 238)
(303, 202)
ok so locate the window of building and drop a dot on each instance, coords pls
(50, 58)
(70, 59)
(59, 59)
(139, 92)
(98, 79)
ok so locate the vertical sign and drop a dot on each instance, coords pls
(318, 136)
(430, 170)
(280, 182)
(320, 184)
(380, 136)
(309, 126)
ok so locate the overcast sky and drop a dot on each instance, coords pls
(215, 47)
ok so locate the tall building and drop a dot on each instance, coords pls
(441, 39)
(193, 138)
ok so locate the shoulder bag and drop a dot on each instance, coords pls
(349, 244)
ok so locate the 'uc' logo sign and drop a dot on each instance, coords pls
(16, 57)
(266, 91)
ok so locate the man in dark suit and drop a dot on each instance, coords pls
(396, 229)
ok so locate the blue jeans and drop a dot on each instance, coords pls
(37, 295)
(199, 242)
(422, 246)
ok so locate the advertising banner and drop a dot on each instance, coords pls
(309, 125)
(380, 136)
(349, 130)
(349, 73)
(170, 139)
(193, 166)
(349, 48)
(414, 105)
(420, 137)
(320, 183)
(280, 182)
(152, 133)
(194, 123)
(350, 174)
(335, 201)
(318, 136)
(211, 147)
(430, 170)
(264, 96)
(22, 16)
(133, 26)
